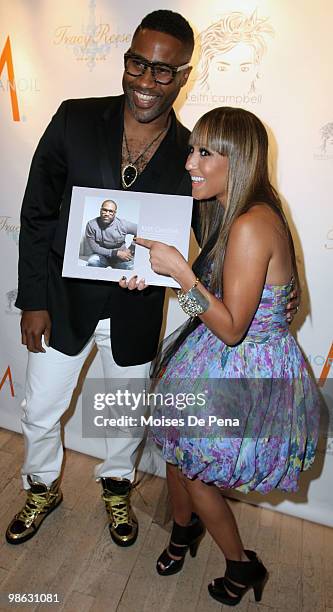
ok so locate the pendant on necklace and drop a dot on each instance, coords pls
(129, 175)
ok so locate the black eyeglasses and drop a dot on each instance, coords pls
(163, 74)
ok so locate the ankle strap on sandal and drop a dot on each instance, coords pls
(179, 534)
(177, 550)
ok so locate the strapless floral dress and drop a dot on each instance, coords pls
(265, 383)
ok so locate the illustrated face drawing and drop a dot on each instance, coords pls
(231, 51)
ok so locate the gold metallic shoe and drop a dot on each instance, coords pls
(41, 501)
(123, 523)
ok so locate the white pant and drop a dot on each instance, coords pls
(51, 379)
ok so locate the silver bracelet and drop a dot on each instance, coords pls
(193, 302)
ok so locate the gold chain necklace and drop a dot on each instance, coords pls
(130, 172)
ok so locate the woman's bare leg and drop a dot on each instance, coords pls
(215, 513)
(179, 497)
(180, 501)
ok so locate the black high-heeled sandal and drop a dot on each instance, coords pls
(250, 574)
(182, 539)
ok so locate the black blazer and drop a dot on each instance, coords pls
(82, 146)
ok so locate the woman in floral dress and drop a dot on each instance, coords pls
(237, 336)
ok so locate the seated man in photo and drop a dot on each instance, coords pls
(106, 237)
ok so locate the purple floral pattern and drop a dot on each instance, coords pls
(256, 462)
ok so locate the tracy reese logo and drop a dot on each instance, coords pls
(6, 59)
(9, 227)
(231, 51)
(93, 43)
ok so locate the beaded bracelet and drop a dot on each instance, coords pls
(193, 302)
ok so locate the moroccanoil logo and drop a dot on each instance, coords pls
(7, 377)
(6, 59)
(326, 367)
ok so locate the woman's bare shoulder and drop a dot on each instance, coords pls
(260, 220)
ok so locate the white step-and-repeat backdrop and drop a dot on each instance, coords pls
(273, 58)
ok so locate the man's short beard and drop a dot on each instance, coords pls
(155, 113)
(106, 221)
(148, 118)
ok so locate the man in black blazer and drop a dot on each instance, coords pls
(135, 142)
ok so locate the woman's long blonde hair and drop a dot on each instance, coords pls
(241, 137)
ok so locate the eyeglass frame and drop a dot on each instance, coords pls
(152, 66)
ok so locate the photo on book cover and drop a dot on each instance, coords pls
(103, 223)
